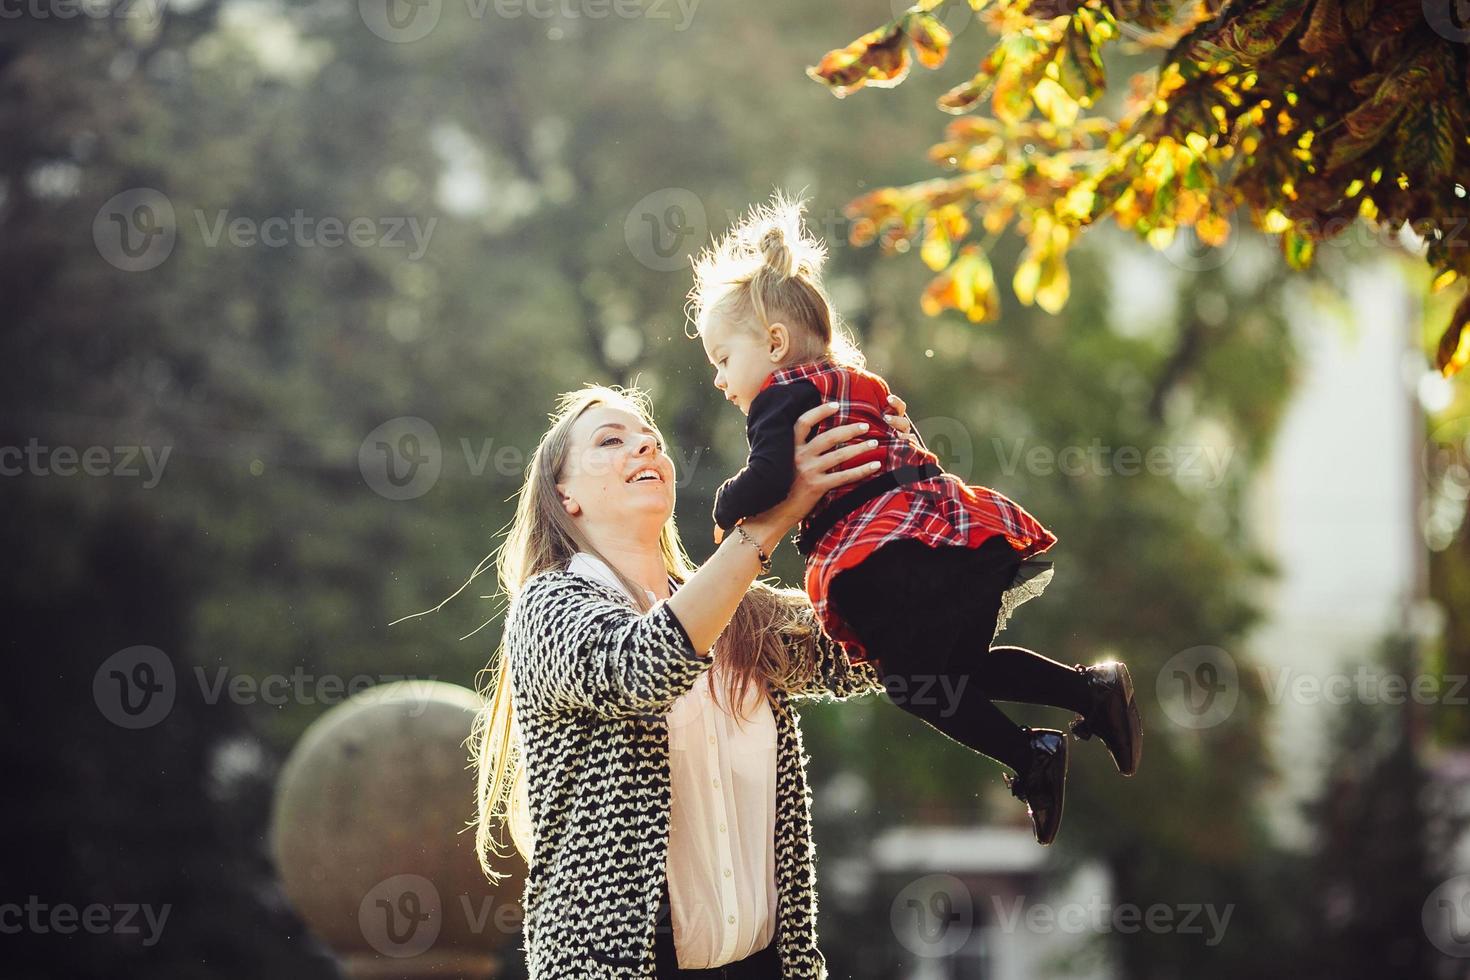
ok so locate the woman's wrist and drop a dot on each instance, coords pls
(767, 533)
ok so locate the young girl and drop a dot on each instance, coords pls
(910, 569)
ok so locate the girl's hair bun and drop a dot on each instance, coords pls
(767, 268)
(776, 253)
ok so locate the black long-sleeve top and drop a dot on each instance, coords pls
(768, 473)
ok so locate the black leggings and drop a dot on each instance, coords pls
(926, 616)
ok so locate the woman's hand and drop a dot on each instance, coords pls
(816, 472)
(901, 421)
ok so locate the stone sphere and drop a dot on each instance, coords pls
(372, 839)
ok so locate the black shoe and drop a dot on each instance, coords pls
(1044, 782)
(1113, 714)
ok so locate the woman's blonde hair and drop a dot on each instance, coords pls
(543, 537)
(766, 269)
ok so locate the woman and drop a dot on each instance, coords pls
(638, 738)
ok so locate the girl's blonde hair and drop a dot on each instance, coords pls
(766, 269)
(542, 536)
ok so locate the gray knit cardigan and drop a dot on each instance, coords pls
(592, 680)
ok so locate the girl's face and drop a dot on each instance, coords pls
(617, 478)
(743, 357)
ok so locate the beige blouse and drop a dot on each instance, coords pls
(722, 856)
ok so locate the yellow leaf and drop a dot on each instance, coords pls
(1024, 282)
(1054, 102)
(1274, 222)
(1055, 284)
(1454, 345)
(930, 37)
(936, 251)
(1078, 202)
(1213, 230)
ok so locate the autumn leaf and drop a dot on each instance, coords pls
(968, 285)
(1297, 247)
(1299, 114)
(931, 38)
(878, 58)
(1454, 344)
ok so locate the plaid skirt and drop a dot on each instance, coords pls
(941, 511)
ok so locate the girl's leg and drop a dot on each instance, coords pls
(1009, 673)
(898, 601)
(957, 707)
(1021, 675)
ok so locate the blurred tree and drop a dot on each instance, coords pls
(1384, 842)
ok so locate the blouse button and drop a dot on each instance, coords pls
(730, 918)
(722, 828)
(717, 784)
(727, 872)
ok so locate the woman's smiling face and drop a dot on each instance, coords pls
(617, 473)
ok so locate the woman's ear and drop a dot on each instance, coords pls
(568, 504)
(778, 341)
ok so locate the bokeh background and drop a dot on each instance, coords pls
(288, 290)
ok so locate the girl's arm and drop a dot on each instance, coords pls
(707, 601)
(770, 468)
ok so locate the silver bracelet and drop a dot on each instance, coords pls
(765, 558)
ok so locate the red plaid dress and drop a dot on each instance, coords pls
(941, 510)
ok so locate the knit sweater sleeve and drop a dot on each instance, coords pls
(572, 644)
(829, 673)
(771, 467)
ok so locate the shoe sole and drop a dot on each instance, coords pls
(1066, 754)
(1062, 794)
(1135, 723)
